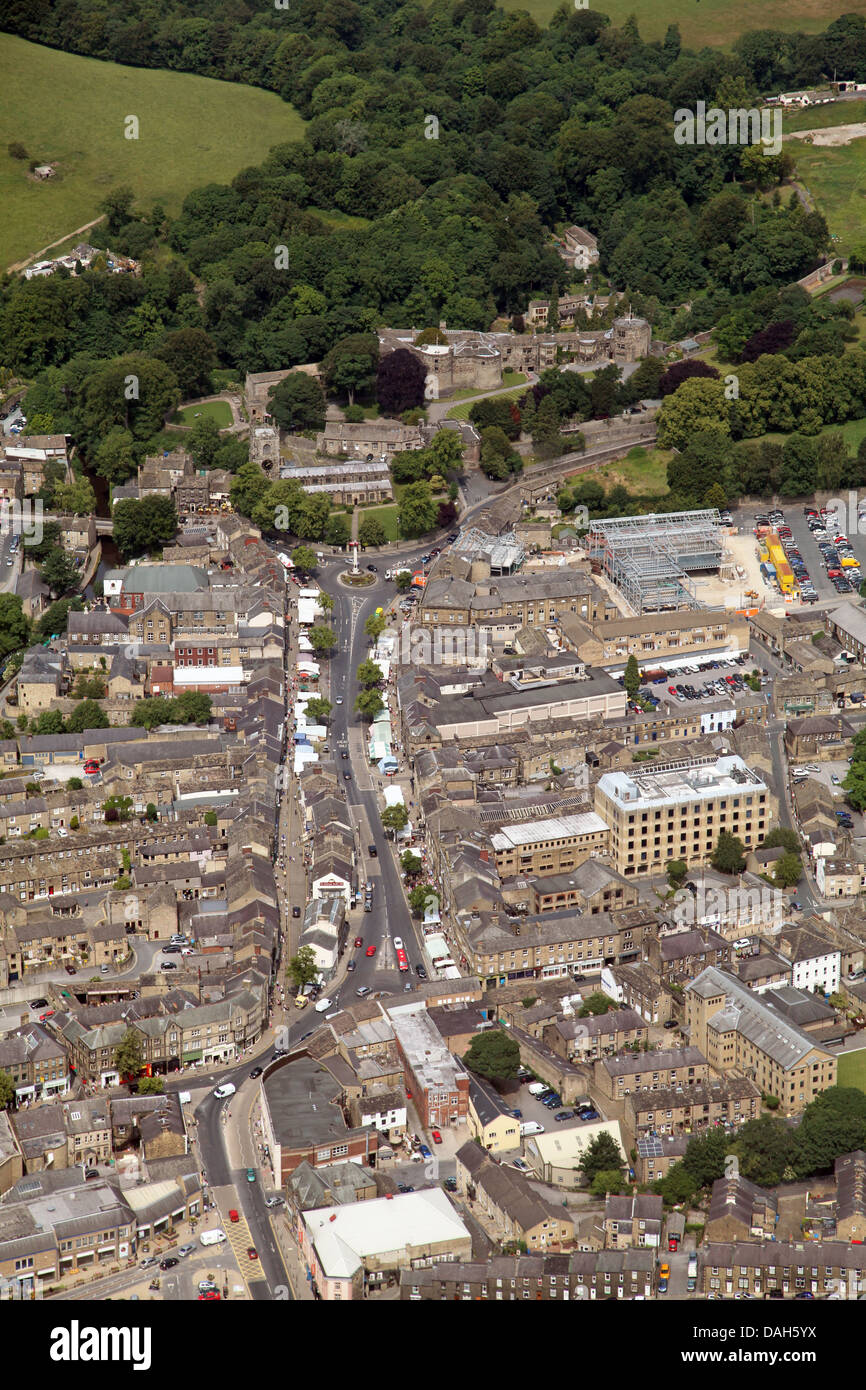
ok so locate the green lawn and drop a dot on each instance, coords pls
(852, 1069)
(220, 411)
(836, 178)
(71, 110)
(388, 517)
(715, 23)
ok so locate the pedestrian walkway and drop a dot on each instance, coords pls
(296, 1267)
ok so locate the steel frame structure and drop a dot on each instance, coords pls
(649, 557)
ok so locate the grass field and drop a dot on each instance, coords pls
(852, 432)
(387, 516)
(715, 23)
(639, 475)
(192, 130)
(819, 117)
(852, 1069)
(219, 411)
(836, 178)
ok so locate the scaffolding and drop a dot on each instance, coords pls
(651, 558)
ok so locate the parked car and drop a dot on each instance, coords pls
(185, 1250)
(359, 941)
(362, 991)
(564, 1115)
(424, 1151)
(296, 912)
(353, 965)
(233, 1215)
(436, 1136)
(70, 969)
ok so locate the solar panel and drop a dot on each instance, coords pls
(650, 1147)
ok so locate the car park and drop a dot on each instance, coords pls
(564, 1115)
(38, 1003)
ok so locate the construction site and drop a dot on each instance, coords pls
(676, 560)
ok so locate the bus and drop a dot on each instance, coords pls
(402, 959)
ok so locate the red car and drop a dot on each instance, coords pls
(252, 1252)
(49, 1014)
(233, 1216)
(673, 1243)
(672, 690)
(436, 1136)
(359, 941)
(370, 951)
(212, 1296)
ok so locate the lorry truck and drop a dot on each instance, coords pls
(692, 1273)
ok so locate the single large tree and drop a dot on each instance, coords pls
(369, 674)
(128, 1055)
(395, 818)
(302, 967)
(494, 1055)
(324, 639)
(351, 365)
(631, 677)
(372, 532)
(729, 854)
(400, 382)
(297, 403)
(144, 525)
(602, 1154)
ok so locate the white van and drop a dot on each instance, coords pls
(536, 1087)
(322, 1006)
(214, 1237)
(221, 1092)
(530, 1127)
